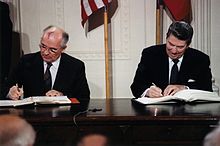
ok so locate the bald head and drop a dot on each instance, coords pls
(93, 140)
(53, 43)
(213, 138)
(55, 33)
(15, 131)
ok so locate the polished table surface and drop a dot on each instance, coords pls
(126, 122)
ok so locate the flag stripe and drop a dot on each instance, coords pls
(83, 13)
(86, 7)
(99, 3)
(107, 1)
(90, 6)
(93, 5)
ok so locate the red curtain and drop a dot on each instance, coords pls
(180, 10)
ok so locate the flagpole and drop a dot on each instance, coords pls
(107, 76)
(159, 22)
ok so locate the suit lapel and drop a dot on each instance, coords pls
(165, 64)
(184, 68)
(60, 77)
(162, 68)
(39, 71)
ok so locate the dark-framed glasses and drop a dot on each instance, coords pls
(51, 50)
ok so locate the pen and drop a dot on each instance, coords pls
(154, 84)
(20, 90)
(17, 87)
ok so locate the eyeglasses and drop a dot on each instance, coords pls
(51, 50)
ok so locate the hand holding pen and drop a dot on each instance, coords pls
(154, 91)
(15, 92)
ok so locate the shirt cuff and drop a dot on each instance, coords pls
(186, 87)
(144, 94)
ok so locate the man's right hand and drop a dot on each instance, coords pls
(15, 92)
(154, 92)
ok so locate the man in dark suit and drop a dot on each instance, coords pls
(49, 72)
(5, 42)
(171, 67)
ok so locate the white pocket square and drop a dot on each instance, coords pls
(191, 80)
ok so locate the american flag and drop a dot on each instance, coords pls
(88, 7)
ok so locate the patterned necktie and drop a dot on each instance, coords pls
(48, 78)
(174, 72)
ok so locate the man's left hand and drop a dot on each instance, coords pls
(54, 93)
(172, 89)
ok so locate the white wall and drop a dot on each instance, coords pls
(133, 28)
(215, 40)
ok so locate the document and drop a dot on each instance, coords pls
(39, 100)
(188, 95)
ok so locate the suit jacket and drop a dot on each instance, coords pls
(5, 42)
(70, 78)
(154, 68)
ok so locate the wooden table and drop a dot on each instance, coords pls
(125, 122)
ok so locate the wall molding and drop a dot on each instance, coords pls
(59, 9)
(202, 22)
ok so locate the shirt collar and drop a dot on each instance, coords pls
(55, 63)
(180, 60)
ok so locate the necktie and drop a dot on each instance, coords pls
(48, 78)
(174, 72)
